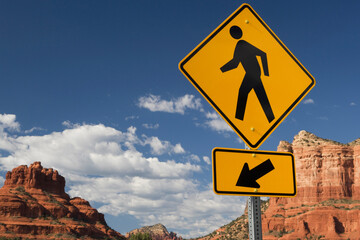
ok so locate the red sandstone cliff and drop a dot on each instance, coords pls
(34, 205)
(327, 205)
(328, 199)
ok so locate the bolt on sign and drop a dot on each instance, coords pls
(248, 75)
(253, 173)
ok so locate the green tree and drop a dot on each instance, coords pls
(141, 236)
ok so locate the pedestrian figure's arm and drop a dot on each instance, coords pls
(233, 63)
(264, 63)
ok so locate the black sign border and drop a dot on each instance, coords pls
(265, 135)
(252, 152)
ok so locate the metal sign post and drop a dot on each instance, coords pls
(210, 68)
(254, 217)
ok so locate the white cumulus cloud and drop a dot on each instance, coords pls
(195, 157)
(8, 121)
(2, 180)
(178, 148)
(207, 160)
(151, 126)
(104, 165)
(216, 123)
(179, 105)
(33, 129)
(309, 101)
(159, 147)
(131, 118)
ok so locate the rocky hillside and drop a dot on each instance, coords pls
(327, 205)
(34, 205)
(328, 201)
(156, 232)
(237, 229)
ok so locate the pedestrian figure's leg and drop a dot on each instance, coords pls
(244, 90)
(264, 101)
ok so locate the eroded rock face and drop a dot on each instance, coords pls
(36, 177)
(328, 192)
(157, 232)
(33, 204)
(327, 205)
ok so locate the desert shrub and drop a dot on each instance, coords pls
(20, 189)
(140, 236)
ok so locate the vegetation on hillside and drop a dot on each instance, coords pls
(140, 236)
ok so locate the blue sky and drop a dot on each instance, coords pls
(92, 88)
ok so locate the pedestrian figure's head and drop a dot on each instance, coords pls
(236, 32)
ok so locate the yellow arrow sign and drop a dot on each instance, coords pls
(253, 173)
(248, 75)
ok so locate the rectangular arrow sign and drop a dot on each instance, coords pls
(253, 173)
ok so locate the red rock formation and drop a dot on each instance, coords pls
(34, 205)
(237, 229)
(36, 177)
(157, 232)
(327, 205)
(327, 202)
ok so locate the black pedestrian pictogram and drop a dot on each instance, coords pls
(246, 54)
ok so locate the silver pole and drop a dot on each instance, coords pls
(254, 217)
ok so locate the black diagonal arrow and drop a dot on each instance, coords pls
(248, 177)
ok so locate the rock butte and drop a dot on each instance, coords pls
(34, 205)
(327, 204)
(157, 232)
(328, 199)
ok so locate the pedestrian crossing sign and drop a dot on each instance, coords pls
(248, 75)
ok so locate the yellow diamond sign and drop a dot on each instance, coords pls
(248, 75)
(253, 173)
